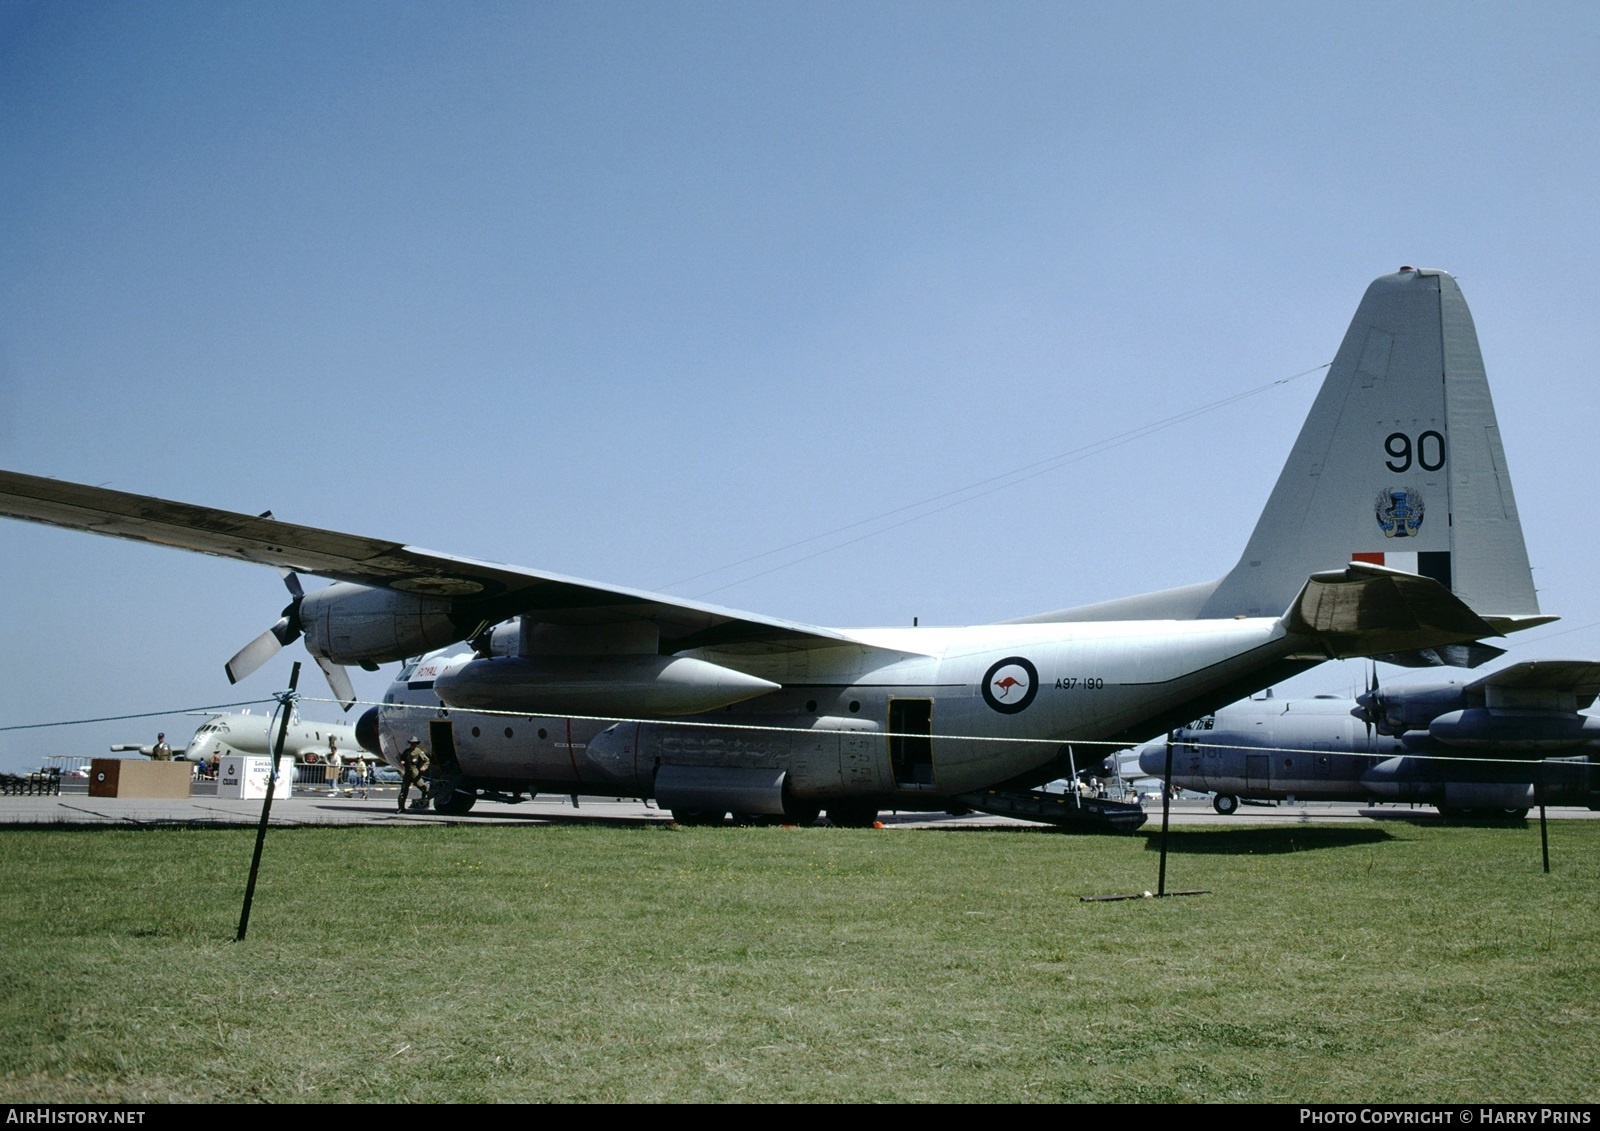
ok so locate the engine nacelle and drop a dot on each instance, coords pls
(1394, 712)
(356, 624)
(1527, 734)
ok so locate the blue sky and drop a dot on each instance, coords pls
(636, 291)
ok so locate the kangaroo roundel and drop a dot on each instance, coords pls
(1010, 685)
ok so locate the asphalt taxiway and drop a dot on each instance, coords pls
(316, 807)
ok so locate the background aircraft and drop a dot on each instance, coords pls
(1467, 747)
(244, 732)
(257, 735)
(148, 750)
(1392, 529)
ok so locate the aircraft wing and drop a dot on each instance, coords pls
(1579, 676)
(487, 590)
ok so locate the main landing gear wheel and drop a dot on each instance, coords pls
(802, 815)
(797, 811)
(451, 801)
(1225, 803)
(1457, 814)
(853, 815)
(694, 817)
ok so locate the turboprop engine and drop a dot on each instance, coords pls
(349, 624)
(355, 624)
(1394, 713)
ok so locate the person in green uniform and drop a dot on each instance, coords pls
(414, 763)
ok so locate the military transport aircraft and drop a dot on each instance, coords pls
(1475, 748)
(1392, 529)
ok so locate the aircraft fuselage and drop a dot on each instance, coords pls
(903, 716)
(257, 735)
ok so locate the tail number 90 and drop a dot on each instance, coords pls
(1428, 451)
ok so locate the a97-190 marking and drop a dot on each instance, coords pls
(1076, 683)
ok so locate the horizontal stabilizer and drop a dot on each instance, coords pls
(1364, 610)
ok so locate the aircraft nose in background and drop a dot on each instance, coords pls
(1153, 759)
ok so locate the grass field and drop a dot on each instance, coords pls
(582, 962)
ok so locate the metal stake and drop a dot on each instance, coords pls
(287, 700)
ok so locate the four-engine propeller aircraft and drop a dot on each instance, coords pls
(1470, 749)
(229, 733)
(257, 735)
(1391, 529)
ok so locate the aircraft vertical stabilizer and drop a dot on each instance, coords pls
(1399, 463)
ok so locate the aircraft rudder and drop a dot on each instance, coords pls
(1490, 557)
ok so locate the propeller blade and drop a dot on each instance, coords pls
(259, 650)
(338, 682)
(268, 644)
(1372, 688)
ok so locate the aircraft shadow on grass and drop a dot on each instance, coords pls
(1260, 841)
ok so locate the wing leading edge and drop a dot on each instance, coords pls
(484, 590)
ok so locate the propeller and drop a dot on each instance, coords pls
(1371, 697)
(288, 629)
(1370, 708)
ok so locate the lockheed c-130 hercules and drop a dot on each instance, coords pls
(1392, 531)
(1488, 747)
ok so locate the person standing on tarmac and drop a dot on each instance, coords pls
(414, 763)
(334, 759)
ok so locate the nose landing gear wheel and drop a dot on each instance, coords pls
(1225, 803)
